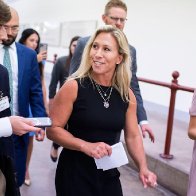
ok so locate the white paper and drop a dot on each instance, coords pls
(116, 159)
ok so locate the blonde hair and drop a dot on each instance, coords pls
(122, 75)
(114, 3)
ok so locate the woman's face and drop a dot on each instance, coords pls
(104, 54)
(32, 41)
(73, 46)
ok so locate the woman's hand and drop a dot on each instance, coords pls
(148, 178)
(39, 136)
(96, 150)
(42, 56)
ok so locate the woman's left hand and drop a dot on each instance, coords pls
(42, 56)
(97, 150)
(39, 136)
(148, 178)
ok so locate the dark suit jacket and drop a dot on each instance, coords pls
(59, 74)
(6, 143)
(29, 93)
(75, 62)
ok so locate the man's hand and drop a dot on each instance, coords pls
(146, 128)
(21, 125)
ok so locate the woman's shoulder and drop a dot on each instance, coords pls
(74, 85)
(75, 82)
(69, 89)
(83, 81)
(71, 83)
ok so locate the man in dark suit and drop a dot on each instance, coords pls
(6, 143)
(26, 88)
(115, 14)
(15, 124)
(8, 124)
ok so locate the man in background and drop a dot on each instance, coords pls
(115, 14)
(15, 124)
(25, 87)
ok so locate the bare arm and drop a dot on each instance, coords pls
(60, 112)
(134, 144)
(192, 128)
(63, 104)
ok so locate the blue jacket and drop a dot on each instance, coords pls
(29, 93)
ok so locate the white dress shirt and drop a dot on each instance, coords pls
(5, 127)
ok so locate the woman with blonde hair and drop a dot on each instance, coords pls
(97, 103)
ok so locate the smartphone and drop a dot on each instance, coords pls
(41, 121)
(43, 47)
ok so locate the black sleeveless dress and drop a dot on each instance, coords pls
(76, 172)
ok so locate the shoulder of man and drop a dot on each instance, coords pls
(25, 49)
(84, 40)
(132, 48)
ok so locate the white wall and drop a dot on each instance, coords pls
(163, 32)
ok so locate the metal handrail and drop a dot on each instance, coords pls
(174, 87)
(54, 59)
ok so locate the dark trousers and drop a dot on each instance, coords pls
(8, 170)
(21, 145)
(56, 146)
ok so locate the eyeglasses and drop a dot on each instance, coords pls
(122, 20)
(14, 29)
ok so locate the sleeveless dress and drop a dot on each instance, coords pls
(192, 175)
(76, 172)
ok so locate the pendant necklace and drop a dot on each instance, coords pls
(104, 92)
(105, 99)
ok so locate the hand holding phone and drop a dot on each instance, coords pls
(43, 49)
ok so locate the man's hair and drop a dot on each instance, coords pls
(115, 3)
(5, 14)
